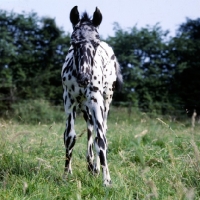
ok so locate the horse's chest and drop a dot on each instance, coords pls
(72, 87)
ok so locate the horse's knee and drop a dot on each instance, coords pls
(70, 141)
(100, 143)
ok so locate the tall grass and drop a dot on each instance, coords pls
(36, 111)
(149, 158)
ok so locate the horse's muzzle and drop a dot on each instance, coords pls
(83, 79)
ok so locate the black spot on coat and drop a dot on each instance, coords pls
(102, 158)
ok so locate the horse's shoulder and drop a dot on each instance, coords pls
(106, 47)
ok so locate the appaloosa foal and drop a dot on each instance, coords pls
(90, 75)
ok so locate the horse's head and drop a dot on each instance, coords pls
(84, 40)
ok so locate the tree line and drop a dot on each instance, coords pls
(161, 73)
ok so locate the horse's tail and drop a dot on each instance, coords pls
(119, 81)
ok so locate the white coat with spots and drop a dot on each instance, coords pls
(90, 75)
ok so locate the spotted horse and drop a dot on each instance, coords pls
(90, 74)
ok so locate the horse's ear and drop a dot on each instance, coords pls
(74, 15)
(97, 17)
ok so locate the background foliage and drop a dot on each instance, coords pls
(32, 51)
(161, 73)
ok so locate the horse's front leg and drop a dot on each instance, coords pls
(93, 166)
(98, 112)
(69, 135)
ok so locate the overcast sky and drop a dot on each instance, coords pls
(169, 13)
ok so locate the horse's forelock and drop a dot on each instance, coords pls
(85, 17)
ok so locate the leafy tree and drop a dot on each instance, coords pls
(185, 48)
(32, 51)
(143, 56)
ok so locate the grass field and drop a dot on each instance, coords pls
(149, 158)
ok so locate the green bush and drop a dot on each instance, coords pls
(37, 111)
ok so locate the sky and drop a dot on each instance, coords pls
(128, 13)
